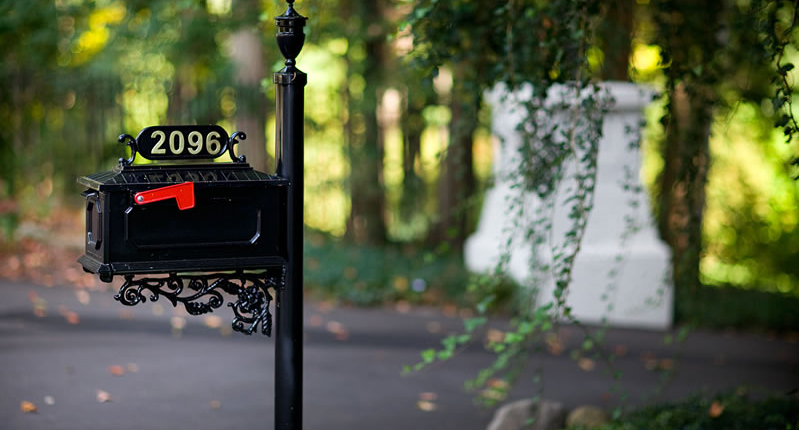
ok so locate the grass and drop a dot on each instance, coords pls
(730, 307)
(734, 411)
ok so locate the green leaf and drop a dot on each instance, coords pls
(778, 101)
(429, 355)
(470, 324)
(513, 338)
(482, 307)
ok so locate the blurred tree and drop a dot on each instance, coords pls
(368, 58)
(689, 32)
(716, 56)
(419, 94)
(615, 39)
(456, 181)
(198, 63)
(247, 53)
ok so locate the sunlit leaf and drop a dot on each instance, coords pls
(27, 407)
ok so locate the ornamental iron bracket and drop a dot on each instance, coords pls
(204, 294)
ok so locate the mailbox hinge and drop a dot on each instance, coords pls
(203, 294)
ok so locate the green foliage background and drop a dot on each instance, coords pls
(77, 73)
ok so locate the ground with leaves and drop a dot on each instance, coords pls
(73, 358)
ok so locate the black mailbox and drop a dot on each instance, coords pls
(189, 229)
(153, 218)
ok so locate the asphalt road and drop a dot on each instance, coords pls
(66, 351)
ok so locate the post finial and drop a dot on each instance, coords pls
(290, 36)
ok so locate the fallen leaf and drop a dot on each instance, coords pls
(325, 306)
(157, 309)
(83, 297)
(586, 364)
(499, 384)
(116, 370)
(402, 307)
(49, 400)
(649, 359)
(28, 407)
(465, 313)
(426, 406)
(315, 320)
(338, 330)
(434, 327)
(215, 404)
(72, 317)
(621, 350)
(212, 321)
(428, 395)
(132, 368)
(495, 336)
(554, 344)
(103, 396)
(178, 323)
(715, 410)
(492, 393)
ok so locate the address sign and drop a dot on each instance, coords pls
(169, 142)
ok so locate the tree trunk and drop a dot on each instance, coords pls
(691, 46)
(456, 179)
(616, 36)
(683, 184)
(413, 124)
(366, 222)
(246, 51)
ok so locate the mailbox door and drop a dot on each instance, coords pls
(226, 222)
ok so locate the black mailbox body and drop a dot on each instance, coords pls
(237, 223)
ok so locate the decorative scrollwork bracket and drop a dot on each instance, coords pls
(131, 142)
(204, 294)
(234, 139)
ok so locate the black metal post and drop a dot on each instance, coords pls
(289, 121)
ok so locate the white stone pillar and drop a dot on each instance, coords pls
(640, 292)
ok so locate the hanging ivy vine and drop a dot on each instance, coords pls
(541, 49)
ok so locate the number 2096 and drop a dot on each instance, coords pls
(177, 143)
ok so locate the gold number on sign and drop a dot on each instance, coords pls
(176, 150)
(162, 137)
(195, 142)
(177, 143)
(212, 144)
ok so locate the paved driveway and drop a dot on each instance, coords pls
(65, 351)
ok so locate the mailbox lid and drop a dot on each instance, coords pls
(145, 176)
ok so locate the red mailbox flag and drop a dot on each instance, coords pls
(183, 193)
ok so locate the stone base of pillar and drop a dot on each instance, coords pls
(634, 292)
